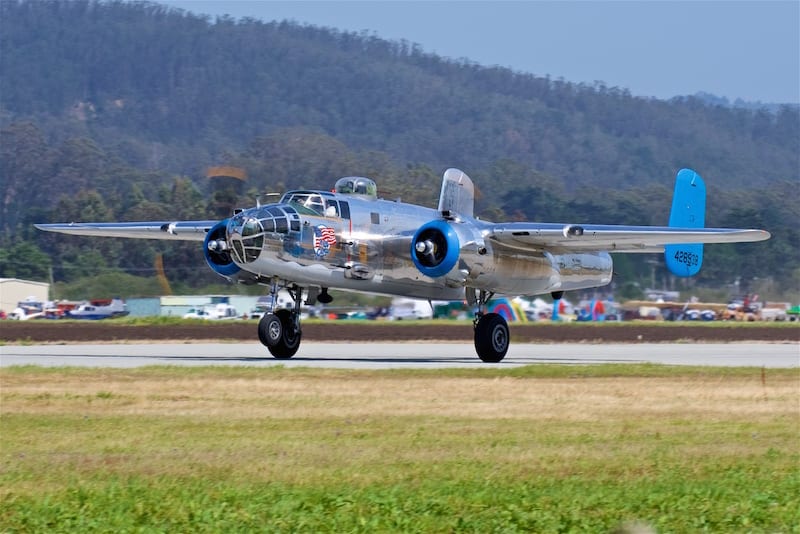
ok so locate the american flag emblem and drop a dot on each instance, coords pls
(324, 239)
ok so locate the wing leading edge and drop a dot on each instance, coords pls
(566, 238)
(171, 230)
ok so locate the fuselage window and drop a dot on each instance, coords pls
(345, 209)
(294, 219)
(376, 217)
(251, 227)
(332, 209)
(280, 225)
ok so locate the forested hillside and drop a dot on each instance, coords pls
(113, 111)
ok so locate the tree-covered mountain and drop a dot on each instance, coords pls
(115, 109)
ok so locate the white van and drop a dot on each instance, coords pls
(407, 309)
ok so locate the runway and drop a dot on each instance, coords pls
(400, 355)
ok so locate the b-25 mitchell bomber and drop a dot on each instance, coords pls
(311, 241)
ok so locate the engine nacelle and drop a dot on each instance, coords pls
(216, 251)
(435, 248)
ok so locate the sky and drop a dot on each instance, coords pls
(730, 48)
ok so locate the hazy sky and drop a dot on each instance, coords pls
(735, 49)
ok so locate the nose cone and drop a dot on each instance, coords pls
(245, 236)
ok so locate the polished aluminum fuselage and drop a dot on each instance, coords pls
(364, 244)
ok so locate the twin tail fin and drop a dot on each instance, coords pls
(688, 211)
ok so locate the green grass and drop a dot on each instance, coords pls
(536, 449)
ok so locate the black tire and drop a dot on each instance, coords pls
(290, 336)
(491, 338)
(270, 330)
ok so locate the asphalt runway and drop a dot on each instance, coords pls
(400, 355)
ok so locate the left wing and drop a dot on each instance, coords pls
(566, 238)
(180, 230)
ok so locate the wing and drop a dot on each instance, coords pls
(176, 230)
(565, 238)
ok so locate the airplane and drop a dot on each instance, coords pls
(96, 310)
(312, 240)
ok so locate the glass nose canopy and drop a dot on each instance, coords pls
(247, 230)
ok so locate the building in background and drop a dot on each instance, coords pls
(14, 290)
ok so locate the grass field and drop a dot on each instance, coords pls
(533, 449)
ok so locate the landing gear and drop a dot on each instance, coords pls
(279, 330)
(491, 337)
(280, 333)
(270, 330)
(491, 329)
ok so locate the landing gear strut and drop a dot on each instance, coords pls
(491, 329)
(279, 330)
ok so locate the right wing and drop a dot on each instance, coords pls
(568, 238)
(179, 230)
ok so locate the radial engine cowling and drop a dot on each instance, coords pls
(435, 248)
(217, 254)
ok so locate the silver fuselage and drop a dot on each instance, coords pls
(355, 242)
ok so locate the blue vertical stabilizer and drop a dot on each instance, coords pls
(688, 211)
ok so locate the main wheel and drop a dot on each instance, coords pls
(290, 336)
(491, 337)
(270, 330)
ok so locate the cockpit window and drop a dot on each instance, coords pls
(306, 203)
